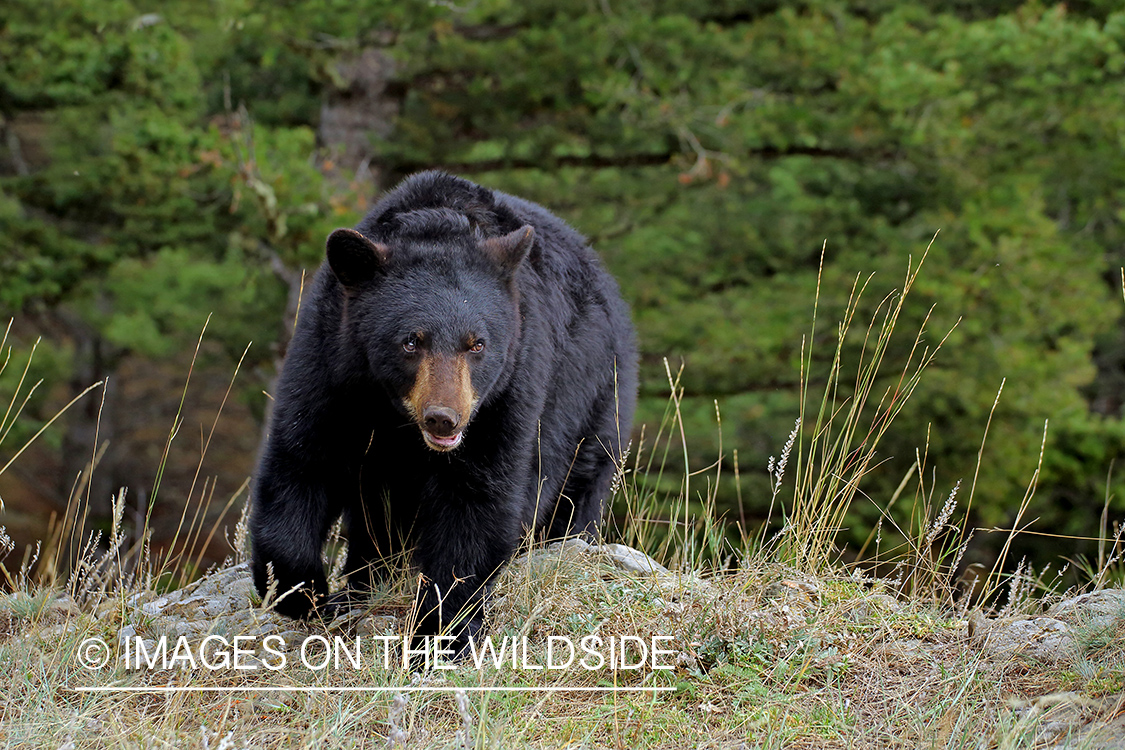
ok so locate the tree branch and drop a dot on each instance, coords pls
(596, 161)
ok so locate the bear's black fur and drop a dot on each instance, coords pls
(463, 370)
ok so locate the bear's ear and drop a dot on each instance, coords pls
(508, 251)
(354, 258)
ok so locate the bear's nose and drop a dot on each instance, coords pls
(441, 420)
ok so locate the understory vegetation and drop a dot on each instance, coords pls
(162, 165)
(789, 637)
(860, 462)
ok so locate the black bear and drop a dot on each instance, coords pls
(463, 371)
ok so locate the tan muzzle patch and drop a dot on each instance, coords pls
(442, 399)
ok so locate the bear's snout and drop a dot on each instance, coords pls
(441, 420)
(442, 400)
(443, 435)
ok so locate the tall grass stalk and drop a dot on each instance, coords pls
(10, 418)
(177, 422)
(995, 576)
(669, 522)
(840, 446)
(88, 561)
(11, 415)
(198, 521)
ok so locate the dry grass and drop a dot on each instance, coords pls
(765, 656)
(793, 649)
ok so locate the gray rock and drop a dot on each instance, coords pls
(553, 554)
(871, 606)
(619, 555)
(1098, 610)
(631, 560)
(155, 607)
(1068, 721)
(802, 592)
(572, 549)
(1042, 638)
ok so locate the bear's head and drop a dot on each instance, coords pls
(437, 318)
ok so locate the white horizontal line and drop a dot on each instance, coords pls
(405, 689)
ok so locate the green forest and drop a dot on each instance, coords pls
(173, 166)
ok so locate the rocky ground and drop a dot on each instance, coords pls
(1077, 635)
(224, 602)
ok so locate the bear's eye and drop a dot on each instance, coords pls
(410, 344)
(477, 347)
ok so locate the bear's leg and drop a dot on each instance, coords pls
(461, 547)
(578, 511)
(289, 526)
(589, 479)
(370, 549)
(591, 472)
(375, 549)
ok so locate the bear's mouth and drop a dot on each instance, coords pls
(442, 443)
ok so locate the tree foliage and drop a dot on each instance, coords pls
(163, 167)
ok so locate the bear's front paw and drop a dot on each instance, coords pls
(298, 604)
